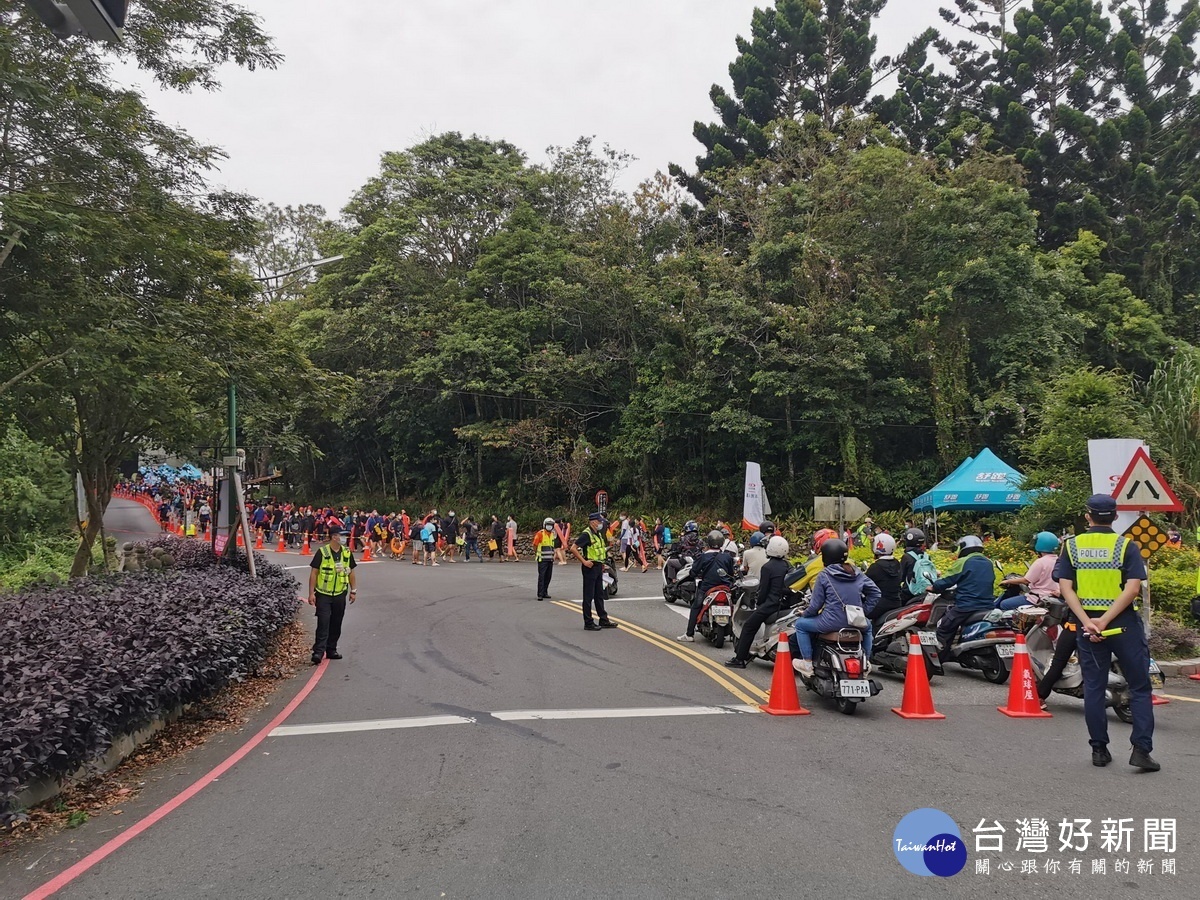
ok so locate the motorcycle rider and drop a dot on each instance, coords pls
(769, 598)
(974, 577)
(755, 556)
(713, 568)
(915, 550)
(838, 584)
(1039, 577)
(885, 572)
(689, 545)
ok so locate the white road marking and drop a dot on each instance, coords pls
(512, 715)
(636, 712)
(370, 725)
(620, 599)
(682, 610)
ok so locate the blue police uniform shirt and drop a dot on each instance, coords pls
(1132, 564)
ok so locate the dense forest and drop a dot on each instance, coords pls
(875, 267)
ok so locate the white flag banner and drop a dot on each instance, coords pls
(754, 503)
(1109, 459)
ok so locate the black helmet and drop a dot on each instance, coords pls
(767, 528)
(913, 538)
(834, 551)
(715, 539)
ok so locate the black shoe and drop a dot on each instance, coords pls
(333, 654)
(736, 663)
(316, 660)
(1140, 759)
(547, 597)
(605, 623)
(1100, 756)
(590, 626)
(540, 599)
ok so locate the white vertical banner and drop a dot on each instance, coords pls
(754, 499)
(1109, 459)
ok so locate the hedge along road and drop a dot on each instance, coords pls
(466, 786)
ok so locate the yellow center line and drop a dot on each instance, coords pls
(726, 679)
(1177, 697)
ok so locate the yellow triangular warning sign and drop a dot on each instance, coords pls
(1143, 487)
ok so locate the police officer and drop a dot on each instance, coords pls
(1100, 577)
(330, 577)
(591, 549)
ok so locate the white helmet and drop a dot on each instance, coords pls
(547, 522)
(777, 547)
(885, 545)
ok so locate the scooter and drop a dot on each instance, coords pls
(716, 616)
(610, 575)
(890, 650)
(985, 641)
(1043, 627)
(683, 588)
(839, 670)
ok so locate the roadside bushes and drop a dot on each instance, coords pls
(87, 662)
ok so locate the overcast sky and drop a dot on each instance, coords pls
(362, 77)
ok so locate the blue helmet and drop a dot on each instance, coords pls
(756, 539)
(690, 527)
(1045, 542)
(977, 630)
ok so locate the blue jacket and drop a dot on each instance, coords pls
(712, 569)
(975, 577)
(833, 589)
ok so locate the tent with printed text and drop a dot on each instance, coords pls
(984, 482)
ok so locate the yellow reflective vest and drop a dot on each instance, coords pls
(330, 581)
(1097, 557)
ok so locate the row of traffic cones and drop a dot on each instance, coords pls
(1023, 701)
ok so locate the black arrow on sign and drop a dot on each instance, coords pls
(1151, 489)
(1133, 490)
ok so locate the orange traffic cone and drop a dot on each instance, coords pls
(282, 548)
(783, 700)
(1023, 702)
(918, 699)
(305, 550)
(258, 545)
(240, 542)
(366, 557)
(1156, 700)
(1195, 677)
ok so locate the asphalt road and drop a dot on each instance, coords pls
(500, 794)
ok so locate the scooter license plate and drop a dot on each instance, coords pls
(1006, 651)
(928, 638)
(721, 611)
(857, 688)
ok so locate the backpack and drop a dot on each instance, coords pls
(666, 535)
(414, 533)
(923, 576)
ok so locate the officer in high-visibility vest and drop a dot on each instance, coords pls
(1100, 576)
(330, 578)
(591, 549)
(544, 544)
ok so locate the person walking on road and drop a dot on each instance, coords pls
(331, 580)
(591, 549)
(497, 536)
(510, 528)
(1100, 575)
(544, 544)
(471, 537)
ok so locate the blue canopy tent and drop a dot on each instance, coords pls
(984, 482)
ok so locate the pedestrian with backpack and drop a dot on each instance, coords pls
(917, 571)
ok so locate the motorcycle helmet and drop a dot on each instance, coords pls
(914, 538)
(885, 545)
(690, 527)
(756, 539)
(821, 537)
(777, 547)
(1045, 542)
(767, 528)
(834, 551)
(969, 543)
(715, 539)
(977, 630)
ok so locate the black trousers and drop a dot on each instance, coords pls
(593, 591)
(545, 570)
(750, 629)
(1068, 640)
(330, 612)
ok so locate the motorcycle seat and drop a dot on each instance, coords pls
(846, 636)
(977, 616)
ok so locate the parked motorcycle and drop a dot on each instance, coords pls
(985, 641)
(610, 575)
(839, 670)
(1042, 627)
